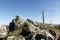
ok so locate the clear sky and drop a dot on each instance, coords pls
(31, 9)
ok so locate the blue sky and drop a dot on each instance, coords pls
(31, 9)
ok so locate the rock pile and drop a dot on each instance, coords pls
(27, 30)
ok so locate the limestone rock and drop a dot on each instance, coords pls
(52, 32)
(3, 30)
(16, 23)
(39, 37)
(15, 38)
(35, 23)
(33, 28)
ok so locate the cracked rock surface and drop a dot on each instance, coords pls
(27, 29)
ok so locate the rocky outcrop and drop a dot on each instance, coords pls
(16, 23)
(3, 30)
(35, 23)
(21, 29)
(32, 30)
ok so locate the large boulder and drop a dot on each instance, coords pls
(32, 27)
(16, 23)
(3, 30)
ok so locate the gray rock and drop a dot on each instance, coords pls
(39, 37)
(49, 38)
(3, 30)
(15, 38)
(52, 32)
(32, 28)
(16, 23)
(42, 39)
(35, 23)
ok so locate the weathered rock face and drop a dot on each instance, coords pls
(44, 34)
(3, 30)
(16, 23)
(15, 38)
(52, 32)
(49, 36)
(30, 30)
(35, 23)
(39, 37)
